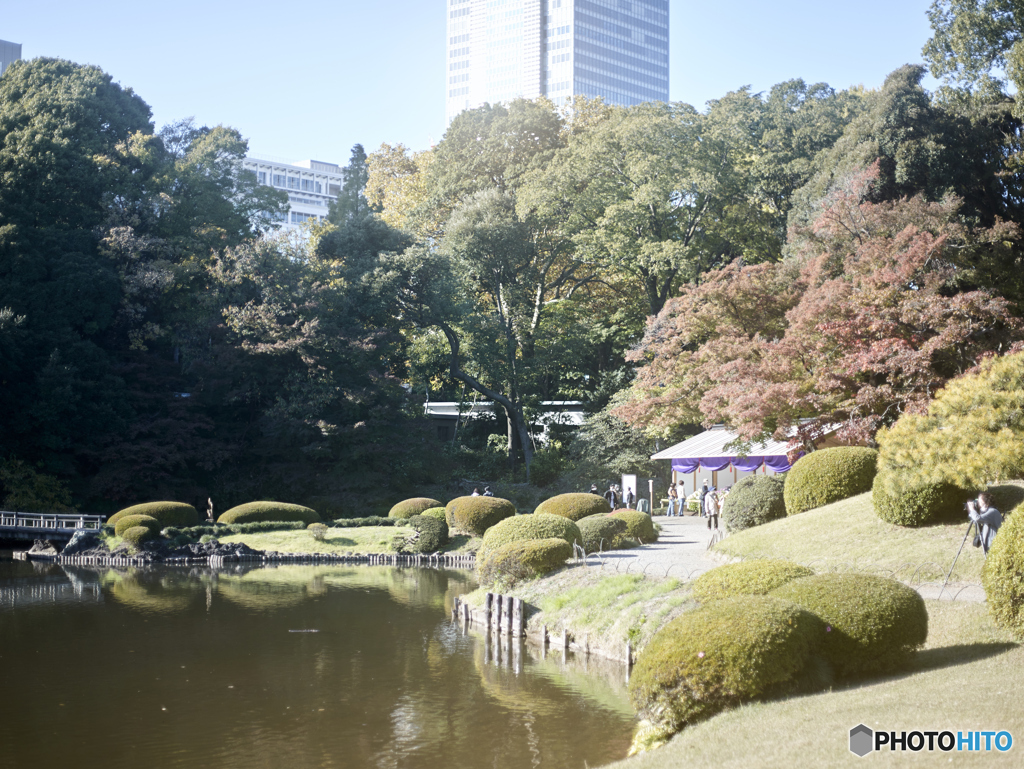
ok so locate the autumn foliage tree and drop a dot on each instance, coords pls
(861, 324)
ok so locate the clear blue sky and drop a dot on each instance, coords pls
(309, 80)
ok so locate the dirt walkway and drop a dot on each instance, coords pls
(681, 551)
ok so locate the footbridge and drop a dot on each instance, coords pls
(46, 525)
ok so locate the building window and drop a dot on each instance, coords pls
(319, 188)
(293, 182)
(308, 185)
(261, 176)
(279, 180)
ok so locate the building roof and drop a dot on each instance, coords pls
(712, 443)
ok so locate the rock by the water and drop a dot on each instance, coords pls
(80, 542)
(43, 547)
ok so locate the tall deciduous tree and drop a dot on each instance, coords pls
(864, 324)
(351, 202)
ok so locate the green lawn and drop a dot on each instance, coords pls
(604, 607)
(848, 534)
(363, 539)
(968, 678)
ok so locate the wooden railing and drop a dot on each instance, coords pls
(50, 521)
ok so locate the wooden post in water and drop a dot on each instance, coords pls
(565, 639)
(497, 613)
(517, 614)
(508, 615)
(488, 605)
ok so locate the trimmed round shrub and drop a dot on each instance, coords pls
(424, 534)
(829, 475)
(916, 502)
(256, 512)
(1003, 574)
(407, 508)
(525, 527)
(602, 532)
(130, 521)
(575, 507)
(435, 512)
(134, 536)
(318, 531)
(639, 526)
(167, 513)
(754, 500)
(873, 624)
(524, 559)
(746, 578)
(475, 515)
(721, 655)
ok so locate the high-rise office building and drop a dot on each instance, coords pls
(502, 49)
(9, 53)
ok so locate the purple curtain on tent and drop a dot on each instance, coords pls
(749, 464)
(685, 465)
(779, 464)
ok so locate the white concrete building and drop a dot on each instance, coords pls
(312, 186)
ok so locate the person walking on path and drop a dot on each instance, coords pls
(711, 508)
(987, 518)
(673, 501)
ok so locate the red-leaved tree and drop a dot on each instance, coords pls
(861, 323)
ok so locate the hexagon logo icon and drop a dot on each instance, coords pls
(861, 739)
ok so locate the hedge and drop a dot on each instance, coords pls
(425, 534)
(475, 515)
(746, 578)
(914, 502)
(253, 512)
(1003, 574)
(754, 500)
(221, 529)
(602, 532)
(639, 526)
(524, 559)
(167, 513)
(134, 536)
(721, 655)
(435, 512)
(873, 624)
(525, 527)
(128, 521)
(829, 475)
(575, 507)
(409, 507)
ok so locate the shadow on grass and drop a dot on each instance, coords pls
(958, 654)
(343, 541)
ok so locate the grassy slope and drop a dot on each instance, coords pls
(363, 539)
(606, 608)
(968, 677)
(848, 534)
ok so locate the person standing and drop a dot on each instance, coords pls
(488, 492)
(611, 496)
(593, 489)
(476, 491)
(629, 498)
(673, 501)
(987, 518)
(711, 508)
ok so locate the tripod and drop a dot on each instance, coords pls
(966, 535)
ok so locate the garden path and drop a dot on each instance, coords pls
(681, 551)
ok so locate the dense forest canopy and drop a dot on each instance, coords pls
(801, 257)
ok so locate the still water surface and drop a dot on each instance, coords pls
(166, 668)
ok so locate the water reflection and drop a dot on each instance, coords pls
(196, 667)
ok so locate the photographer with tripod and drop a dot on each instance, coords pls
(986, 518)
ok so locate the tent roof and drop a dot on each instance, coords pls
(711, 443)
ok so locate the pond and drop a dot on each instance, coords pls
(292, 666)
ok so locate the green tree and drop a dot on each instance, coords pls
(351, 202)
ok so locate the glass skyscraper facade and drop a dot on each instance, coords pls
(501, 49)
